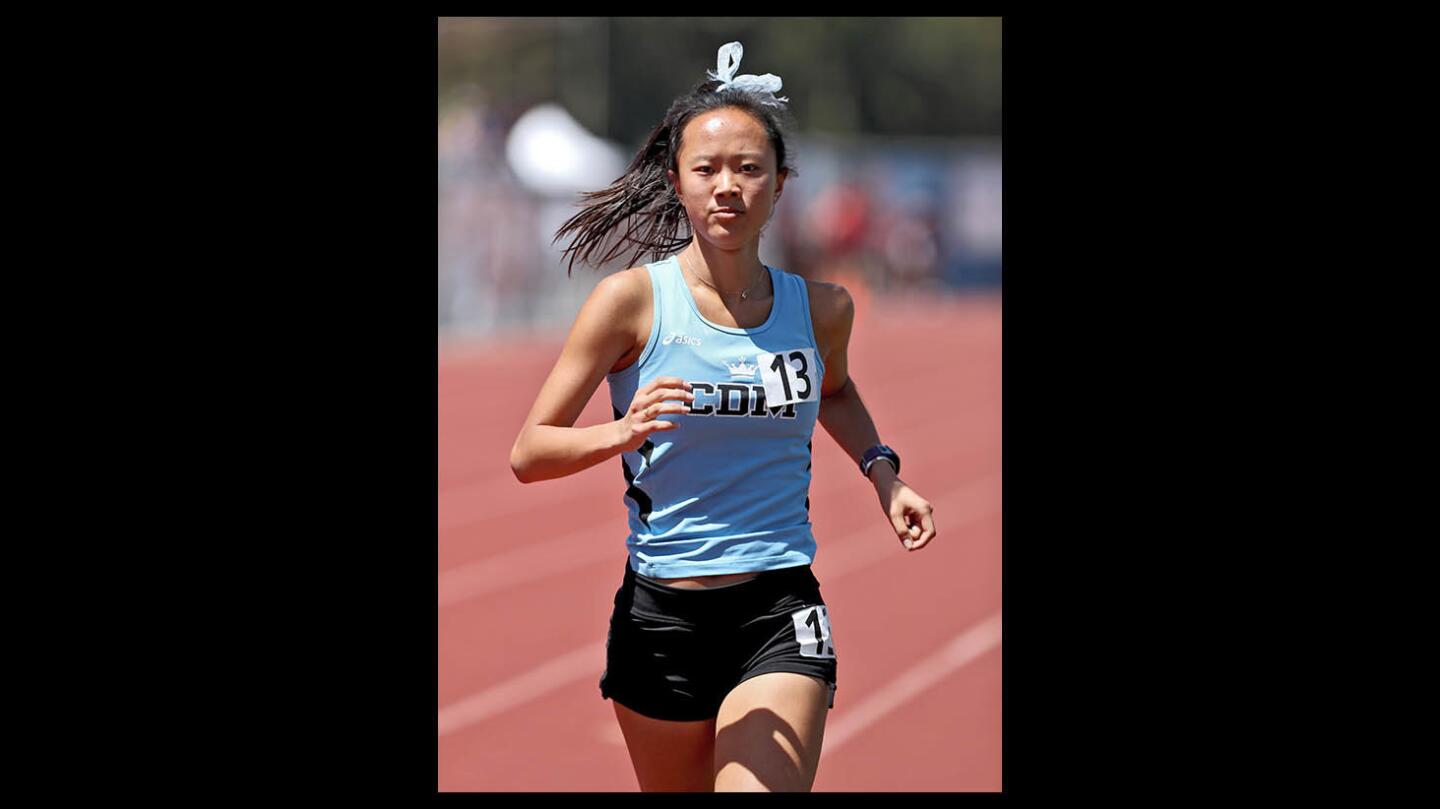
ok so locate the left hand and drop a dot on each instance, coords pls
(909, 513)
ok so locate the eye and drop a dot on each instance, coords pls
(703, 169)
(749, 167)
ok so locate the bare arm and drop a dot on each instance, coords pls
(844, 416)
(549, 445)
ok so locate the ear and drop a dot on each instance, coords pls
(674, 180)
(780, 183)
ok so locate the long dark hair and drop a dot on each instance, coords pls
(640, 211)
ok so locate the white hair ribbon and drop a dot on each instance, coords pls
(728, 61)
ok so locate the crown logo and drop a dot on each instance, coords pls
(741, 369)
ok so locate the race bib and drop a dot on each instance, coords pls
(788, 377)
(812, 632)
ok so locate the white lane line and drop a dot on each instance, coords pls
(475, 502)
(533, 683)
(579, 549)
(534, 561)
(466, 504)
(609, 732)
(528, 563)
(968, 646)
(971, 502)
(857, 550)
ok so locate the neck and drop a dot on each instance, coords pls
(729, 271)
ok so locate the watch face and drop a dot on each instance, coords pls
(877, 452)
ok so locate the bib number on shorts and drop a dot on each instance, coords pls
(812, 632)
(789, 376)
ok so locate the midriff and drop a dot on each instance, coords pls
(703, 582)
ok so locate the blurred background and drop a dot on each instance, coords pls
(897, 197)
(901, 115)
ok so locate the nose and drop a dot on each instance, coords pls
(727, 183)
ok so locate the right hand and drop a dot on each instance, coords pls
(651, 401)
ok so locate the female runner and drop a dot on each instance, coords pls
(720, 663)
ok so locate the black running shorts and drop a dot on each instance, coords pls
(675, 653)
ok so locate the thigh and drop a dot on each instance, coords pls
(669, 756)
(768, 733)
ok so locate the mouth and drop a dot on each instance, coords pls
(731, 212)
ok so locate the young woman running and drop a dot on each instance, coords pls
(719, 663)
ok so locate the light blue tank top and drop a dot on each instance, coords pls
(728, 491)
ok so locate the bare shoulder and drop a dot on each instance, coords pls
(625, 300)
(832, 310)
(625, 291)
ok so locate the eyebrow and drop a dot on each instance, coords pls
(748, 155)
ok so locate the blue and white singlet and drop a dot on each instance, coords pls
(728, 491)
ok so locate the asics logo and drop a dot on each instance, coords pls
(675, 337)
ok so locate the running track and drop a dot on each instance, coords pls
(527, 574)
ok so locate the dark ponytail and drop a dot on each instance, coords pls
(640, 211)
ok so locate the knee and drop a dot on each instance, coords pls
(773, 773)
(734, 776)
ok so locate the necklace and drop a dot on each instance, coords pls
(744, 293)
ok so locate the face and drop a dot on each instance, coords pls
(727, 180)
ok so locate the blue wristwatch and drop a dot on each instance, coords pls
(876, 453)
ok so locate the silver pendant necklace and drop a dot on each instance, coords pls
(744, 294)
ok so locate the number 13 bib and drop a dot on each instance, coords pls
(788, 376)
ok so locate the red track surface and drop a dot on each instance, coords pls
(929, 372)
